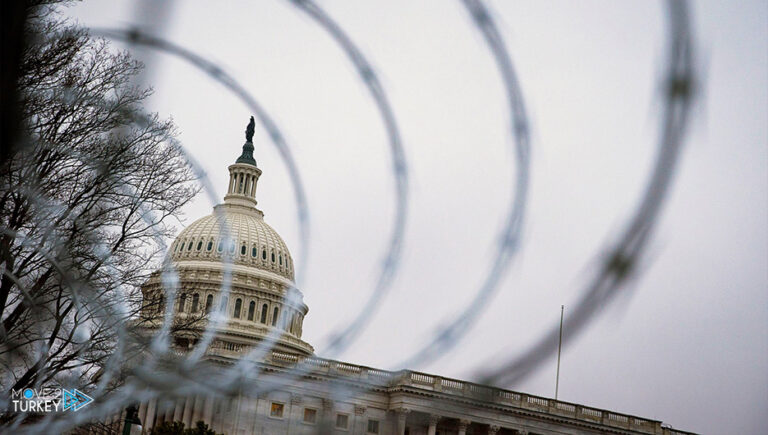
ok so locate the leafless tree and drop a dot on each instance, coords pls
(85, 198)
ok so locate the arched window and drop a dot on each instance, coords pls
(182, 302)
(264, 254)
(275, 312)
(243, 250)
(273, 257)
(231, 246)
(254, 252)
(208, 303)
(281, 259)
(264, 309)
(251, 310)
(223, 305)
(219, 248)
(210, 246)
(200, 245)
(238, 306)
(189, 247)
(195, 302)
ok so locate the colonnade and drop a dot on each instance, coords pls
(188, 410)
(402, 415)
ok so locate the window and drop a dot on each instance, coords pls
(342, 421)
(182, 302)
(200, 245)
(373, 426)
(195, 302)
(310, 415)
(208, 303)
(238, 306)
(273, 257)
(251, 310)
(281, 259)
(223, 305)
(274, 316)
(219, 247)
(189, 247)
(210, 246)
(264, 254)
(254, 252)
(243, 250)
(264, 309)
(276, 410)
(231, 247)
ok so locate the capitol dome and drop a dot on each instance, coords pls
(246, 239)
(261, 300)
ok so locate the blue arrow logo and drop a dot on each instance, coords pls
(75, 399)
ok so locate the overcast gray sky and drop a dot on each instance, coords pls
(689, 346)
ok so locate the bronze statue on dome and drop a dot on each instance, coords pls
(249, 130)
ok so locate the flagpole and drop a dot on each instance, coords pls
(559, 347)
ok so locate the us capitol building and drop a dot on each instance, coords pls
(262, 304)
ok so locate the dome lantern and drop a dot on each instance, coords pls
(244, 174)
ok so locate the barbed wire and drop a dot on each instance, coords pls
(161, 375)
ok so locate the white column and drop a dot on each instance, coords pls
(197, 410)
(463, 425)
(433, 419)
(402, 415)
(219, 414)
(179, 411)
(151, 408)
(142, 412)
(208, 411)
(159, 413)
(228, 405)
(186, 416)
(170, 407)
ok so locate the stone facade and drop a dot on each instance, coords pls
(298, 393)
(371, 401)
